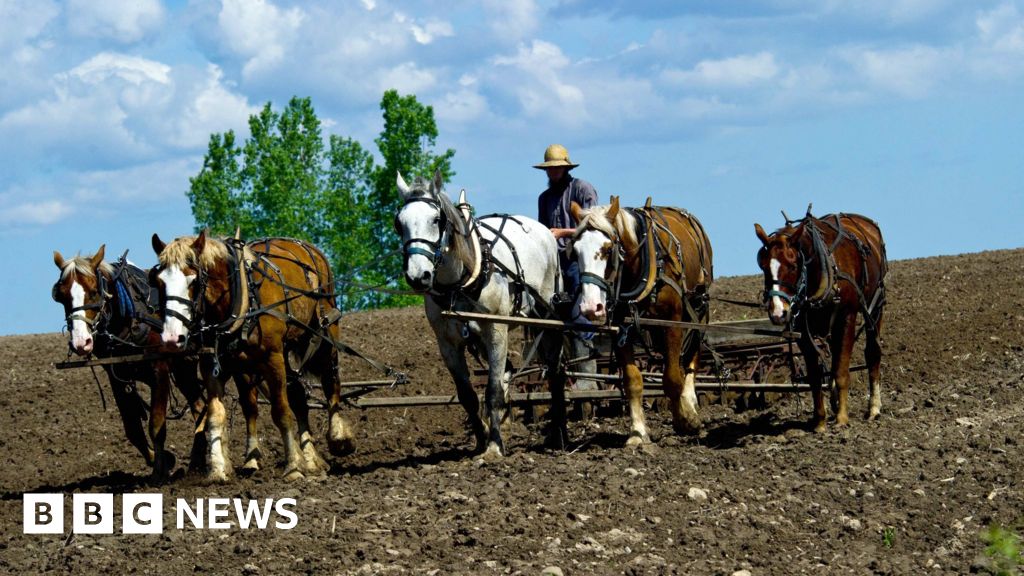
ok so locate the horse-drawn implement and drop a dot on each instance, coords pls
(263, 314)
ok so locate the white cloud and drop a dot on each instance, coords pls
(407, 78)
(537, 74)
(34, 213)
(131, 69)
(115, 19)
(462, 106)
(430, 30)
(24, 20)
(210, 107)
(907, 72)
(1002, 29)
(738, 71)
(258, 31)
(148, 182)
(512, 20)
(115, 110)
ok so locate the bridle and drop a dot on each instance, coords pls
(798, 291)
(609, 283)
(79, 312)
(437, 247)
(195, 304)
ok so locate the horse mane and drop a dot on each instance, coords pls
(80, 265)
(597, 218)
(179, 253)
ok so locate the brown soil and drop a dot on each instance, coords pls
(910, 493)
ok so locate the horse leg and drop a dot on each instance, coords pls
(842, 350)
(633, 386)
(218, 462)
(273, 370)
(814, 377)
(340, 434)
(313, 463)
(495, 339)
(163, 461)
(248, 398)
(681, 392)
(186, 381)
(873, 358)
(131, 411)
(551, 347)
(454, 357)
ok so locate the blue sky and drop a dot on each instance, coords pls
(908, 111)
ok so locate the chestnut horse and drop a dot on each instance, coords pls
(650, 262)
(819, 273)
(262, 307)
(109, 312)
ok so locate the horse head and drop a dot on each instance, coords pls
(595, 245)
(429, 225)
(785, 276)
(182, 299)
(81, 290)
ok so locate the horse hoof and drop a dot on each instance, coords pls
(557, 440)
(635, 440)
(217, 477)
(251, 465)
(871, 416)
(341, 447)
(493, 453)
(293, 475)
(819, 427)
(687, 427)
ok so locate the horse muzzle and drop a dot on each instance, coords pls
(420, 283)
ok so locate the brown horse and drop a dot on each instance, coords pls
(653, 262)
(819, 273)
(108, 312)
(267, 309)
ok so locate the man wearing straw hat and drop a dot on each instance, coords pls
(553, 212)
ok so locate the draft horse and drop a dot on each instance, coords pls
(263, 307)
(110, 310)
(500, 264)
(650, 262)
(819, 273)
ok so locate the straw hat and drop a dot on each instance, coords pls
(556, 155)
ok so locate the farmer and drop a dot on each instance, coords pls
(553, 212)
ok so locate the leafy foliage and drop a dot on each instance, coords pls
(285, 181)
(1003, 547)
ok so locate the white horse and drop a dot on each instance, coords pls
(503, 265)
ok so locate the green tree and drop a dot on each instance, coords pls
(405, 145)
(284, 181)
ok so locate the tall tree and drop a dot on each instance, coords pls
(284, 181)
(406, 145)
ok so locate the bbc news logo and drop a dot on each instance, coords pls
(144, 514)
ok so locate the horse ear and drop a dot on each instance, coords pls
(97, 258)
(58, 259)
(575, 209)
(403, 188)
(438, 181)
(199, 243)
(462, 196)
(158, 244)
(613, 210)
(761, 234)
